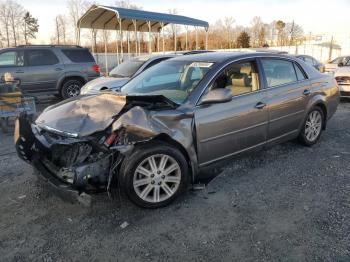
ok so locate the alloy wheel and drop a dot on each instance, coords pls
(157, 178)
(73, 90)
(313, 126)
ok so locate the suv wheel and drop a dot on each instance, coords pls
(71, 88)
(154, 175)
(312, 128)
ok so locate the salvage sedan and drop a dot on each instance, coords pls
(174, 119)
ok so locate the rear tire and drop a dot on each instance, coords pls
(312, 127)
(71, 88)
(157, 186)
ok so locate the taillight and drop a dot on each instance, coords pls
(96, 68)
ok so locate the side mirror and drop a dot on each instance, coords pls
(220, 95)
(341, 64)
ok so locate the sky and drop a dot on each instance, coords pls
(316, 16)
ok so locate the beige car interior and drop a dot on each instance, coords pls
(239, 78)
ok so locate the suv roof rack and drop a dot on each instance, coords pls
(27, 46)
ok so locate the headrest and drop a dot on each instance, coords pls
(246, 70)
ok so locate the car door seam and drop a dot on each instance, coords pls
(233, 132)
(285, 116)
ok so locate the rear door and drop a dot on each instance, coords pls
(225, 129)
(288, 94)
(42, 70)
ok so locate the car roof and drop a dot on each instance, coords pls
(223, 56)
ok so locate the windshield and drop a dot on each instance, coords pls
(128, 68)
(173, 79)
(342, 59)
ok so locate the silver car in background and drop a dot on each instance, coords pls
(174, 119)
(122, 73)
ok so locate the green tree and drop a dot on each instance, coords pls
(243, 40)
(280, 25)
(31, 27)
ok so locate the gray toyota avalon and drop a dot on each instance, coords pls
(183, 114)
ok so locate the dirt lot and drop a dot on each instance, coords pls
(287, 203)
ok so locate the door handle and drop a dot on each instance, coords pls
(260, 105)
(306, 92)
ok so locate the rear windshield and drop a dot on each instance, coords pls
(128, 68)
(79, 55)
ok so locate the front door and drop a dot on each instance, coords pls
(12, 62)
(225, 129)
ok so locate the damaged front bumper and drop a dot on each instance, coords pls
(65, 191)
(84, 171)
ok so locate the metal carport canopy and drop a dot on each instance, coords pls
(108, 18)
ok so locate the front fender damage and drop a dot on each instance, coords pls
(90, 161)
(139, 125)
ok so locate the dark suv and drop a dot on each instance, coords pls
(60, 70)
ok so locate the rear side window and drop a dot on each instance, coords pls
(300, 74)
(12, 58)
(41, 58)
(278, 72)
(79, 55)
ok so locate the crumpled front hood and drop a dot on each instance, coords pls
(82, 116)
(97, 84)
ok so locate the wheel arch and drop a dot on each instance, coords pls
(318, 101)
(67, 77)
(167, 139)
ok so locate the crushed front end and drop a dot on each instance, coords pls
(73, 165)
(77, 145)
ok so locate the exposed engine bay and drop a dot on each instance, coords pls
(82, 141)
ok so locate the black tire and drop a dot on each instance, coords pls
(303, 139)
(140, 154)
(71, 88)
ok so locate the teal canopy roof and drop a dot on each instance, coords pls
(108, 17)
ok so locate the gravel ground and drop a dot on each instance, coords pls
(286, 203)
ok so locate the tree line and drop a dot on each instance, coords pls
(17, 26)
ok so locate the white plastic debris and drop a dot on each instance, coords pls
(22, 196)
(124, 225)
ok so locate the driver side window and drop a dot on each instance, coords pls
(239, 78)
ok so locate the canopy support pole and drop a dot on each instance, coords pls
(158, 41)
(135, 31)
(206, 38)
(92, 41)
(121, 40)
(186, 44)
(163, 42)
(175, 40)
(128, 38)
(149, 38)
(105, 42)
(196, 37)
(117, 46)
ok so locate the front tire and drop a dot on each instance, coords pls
(312, 128)
(154, 175)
